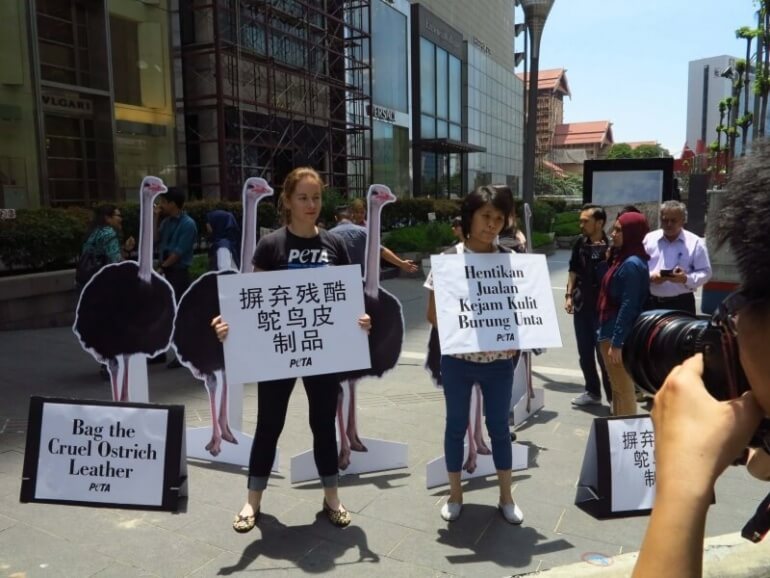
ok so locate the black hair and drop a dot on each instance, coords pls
(499, 196)
(744, 218)
(597, 212)
(342, 212)
(175, 195)
(628, 209)
(101, 214)
(457, 222)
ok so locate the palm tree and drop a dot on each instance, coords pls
(762, 77)
(748, 34)
(723, 106)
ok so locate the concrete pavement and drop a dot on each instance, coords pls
(396, 528)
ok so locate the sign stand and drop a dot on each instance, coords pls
(381, 455)
(526, 400)
(100, 453)
(617, 478)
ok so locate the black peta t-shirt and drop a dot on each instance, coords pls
(282, 250)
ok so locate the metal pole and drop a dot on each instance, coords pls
(535, 14)
(531, 134)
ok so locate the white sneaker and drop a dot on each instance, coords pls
(512, 513)
(450, 511)
(586, 398)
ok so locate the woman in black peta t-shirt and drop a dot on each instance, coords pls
(300, 244)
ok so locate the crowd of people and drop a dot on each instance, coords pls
(612, 279)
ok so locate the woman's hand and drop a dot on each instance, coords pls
(615, 354)
(365, 322)
(220, 327)
(129, 245)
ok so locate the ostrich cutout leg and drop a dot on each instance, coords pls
(481, 446)
(124, 392)
(355, 441)
(343, 460)
(214, 446)
(470, 462)
(113, 367)
(224, 425)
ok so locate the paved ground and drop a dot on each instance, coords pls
(397, 530)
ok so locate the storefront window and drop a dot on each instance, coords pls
(427, 77)
(125, 61)
(442, 84)
(389, 57)
(391, 156)
(455, 89)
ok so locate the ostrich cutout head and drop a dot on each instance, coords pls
(379, 195)
(152, 187)
(254, 189)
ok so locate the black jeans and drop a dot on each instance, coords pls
(683, 302)
(585, 322)
(273, 401)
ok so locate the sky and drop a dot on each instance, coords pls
(627, 60)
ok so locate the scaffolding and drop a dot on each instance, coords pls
(264, 86)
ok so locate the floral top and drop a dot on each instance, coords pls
(481, 356)
(104, 241)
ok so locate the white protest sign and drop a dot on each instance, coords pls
(493, 302)
(632, 463)
(102, 453)
(293, 323)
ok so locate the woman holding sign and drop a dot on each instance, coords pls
(299, 244)
(484, 213)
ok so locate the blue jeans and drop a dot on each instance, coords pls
(496, 380)
(588, 352)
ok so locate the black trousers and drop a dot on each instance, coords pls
(179, 278)
(684, 302)
(273, 401)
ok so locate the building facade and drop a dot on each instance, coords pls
(85, 100)
(706, 87)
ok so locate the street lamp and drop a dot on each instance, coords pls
(535, 14)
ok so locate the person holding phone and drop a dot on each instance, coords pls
(679, 261)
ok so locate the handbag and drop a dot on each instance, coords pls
(88, 264)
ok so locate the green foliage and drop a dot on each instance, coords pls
(547, 183)
(199, 265)
(43, 238)
(422, 238)
(405, 212)
(643, 151)
(620, 151)
(566, 217)
(539, 239)
(542, 216)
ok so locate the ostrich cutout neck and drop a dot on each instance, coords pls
(378, 196)
(151, 188)
(254, 189)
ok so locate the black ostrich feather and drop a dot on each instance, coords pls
(119, 314)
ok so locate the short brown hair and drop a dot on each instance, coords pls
(290, 185)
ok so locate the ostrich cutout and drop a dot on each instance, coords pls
(526, 399)
(476, 444)
(196, 344)
(127, 309)
(387, 334)
(385, 340)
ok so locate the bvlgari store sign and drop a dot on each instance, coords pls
(67, 103)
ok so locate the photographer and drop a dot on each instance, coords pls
(697, 437)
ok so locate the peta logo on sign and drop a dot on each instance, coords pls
(308, 257)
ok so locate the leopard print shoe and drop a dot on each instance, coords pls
(340, 518)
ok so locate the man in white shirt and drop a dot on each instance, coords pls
(679, 261)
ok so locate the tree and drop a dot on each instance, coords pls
(762, 69)
(650, 151)
(620, 151)
(748, 34)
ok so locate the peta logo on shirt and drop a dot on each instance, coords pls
(308, 258)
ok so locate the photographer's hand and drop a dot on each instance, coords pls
(696, 438)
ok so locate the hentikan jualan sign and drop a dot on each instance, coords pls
(494, 302)
(293, 323)
(104, 453)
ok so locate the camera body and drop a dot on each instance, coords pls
(662, 339)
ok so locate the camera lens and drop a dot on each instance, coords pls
(659, 341)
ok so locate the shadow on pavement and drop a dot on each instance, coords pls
(275, 537)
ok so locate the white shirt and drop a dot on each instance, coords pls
(687, 251)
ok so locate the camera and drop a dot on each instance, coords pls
(662, 339)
